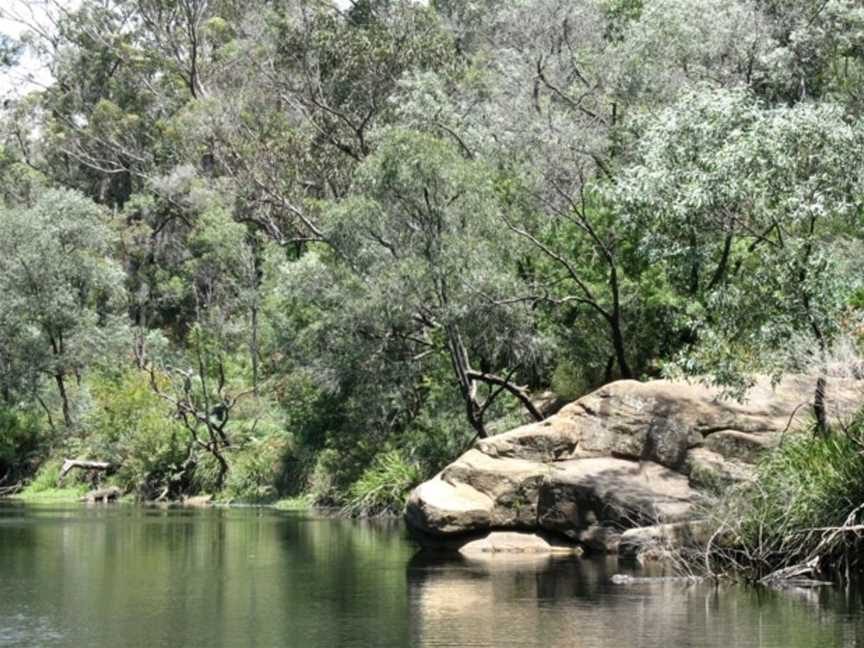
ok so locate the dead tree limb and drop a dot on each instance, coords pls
(69, 464)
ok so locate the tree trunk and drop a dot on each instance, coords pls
(223, 466)
(253, 350)
(64, 398)
(618, 344)
(615, 321)
(515, 390)
(467, 385)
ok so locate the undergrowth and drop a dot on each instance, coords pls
(800, 517)
(383, 487)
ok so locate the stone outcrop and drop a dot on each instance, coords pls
(628, 455)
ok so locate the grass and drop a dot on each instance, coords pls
(806, 494)
(44, 489)
(51, 495)
(383, 488)
(298, 503)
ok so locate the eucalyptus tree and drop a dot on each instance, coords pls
(59, 289)
(424, 271)
(10, 51)
(122, 71)
(816, 51)
(295, 96)
(545, 93)
(197, 273)
(751, 211)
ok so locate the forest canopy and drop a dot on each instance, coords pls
(283, 247)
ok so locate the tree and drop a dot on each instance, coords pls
(9, 51)
(422, 269)
(59, 288)
(750, 211)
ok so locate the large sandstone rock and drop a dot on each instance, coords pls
(628, 455)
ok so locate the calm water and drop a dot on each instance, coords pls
(127, 576)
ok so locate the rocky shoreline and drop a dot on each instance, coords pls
(615, 470)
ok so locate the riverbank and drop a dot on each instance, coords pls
(801, 518)
(35, 494)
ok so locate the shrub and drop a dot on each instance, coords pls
(20, 441)
(383, 487)
(46, 477)
(133, 427)
(45, 486)
(804, 491)
(256, 470)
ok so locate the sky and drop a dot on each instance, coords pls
(30, 73)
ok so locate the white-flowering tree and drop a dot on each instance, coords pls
(752, 211)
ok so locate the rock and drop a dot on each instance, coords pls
(109, 494)
(628, 579)
(744, 446)
(711, 471)
(600, 539)
(548, 403)
(582, 493)
(641, 539)
(437, 507)
(198, 501)
(516, 542)
(628, 455)
(554, 439)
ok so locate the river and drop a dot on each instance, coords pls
(120, 576)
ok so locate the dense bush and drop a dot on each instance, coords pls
(383, 487)
(21, 439)
(257, 470)
(133, 428)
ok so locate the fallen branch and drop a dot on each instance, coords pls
(5, 491)
(69, 464)
(798, 574)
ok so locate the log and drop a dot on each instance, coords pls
(6, 491)
(69, 464)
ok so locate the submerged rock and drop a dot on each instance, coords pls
(628, 455)
(514, 542)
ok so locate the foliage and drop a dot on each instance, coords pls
(45, 486)
(747, 207)
(271, 249)
(130, 426)
(60, 291)
(384, 485)
(256, 470)
(804, 491)
(21, 441)
(299, 503)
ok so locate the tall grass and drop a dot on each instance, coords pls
(45, 486)
(803, 509)
(383, 488)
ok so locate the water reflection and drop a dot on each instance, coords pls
(564, 602)
(126, 576)
(147, 577)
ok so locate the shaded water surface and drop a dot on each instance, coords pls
(128, 576)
